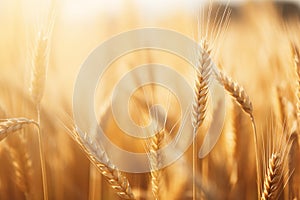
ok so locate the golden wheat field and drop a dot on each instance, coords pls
(250, 49)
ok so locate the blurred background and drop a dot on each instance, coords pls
(255, 50)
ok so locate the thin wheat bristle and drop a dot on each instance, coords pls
(110, 172)
(274, 178)
(201, 86)
(11, 125)
(237, 92)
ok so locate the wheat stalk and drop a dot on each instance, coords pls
(40, 62)
(240, 96)
(203, 73)
(101, 161)
(274, 178)
(8, 126)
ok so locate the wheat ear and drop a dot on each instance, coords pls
(40, 62)
(22, 167)
(201, 86)
(274, 178)
(8, 126)
(156, 158)
(237, 92)
(296, 56)
(110, 172)
(203, 73)
(240, 96)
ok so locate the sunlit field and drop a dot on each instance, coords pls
(250, 49)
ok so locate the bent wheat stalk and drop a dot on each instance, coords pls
(8, 126)
(238, 93)
(101, 161)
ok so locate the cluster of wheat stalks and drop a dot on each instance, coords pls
(44, 156)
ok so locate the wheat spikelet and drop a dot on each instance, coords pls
(11, 125)
(110, 172)
(274, 178)
(156, 158)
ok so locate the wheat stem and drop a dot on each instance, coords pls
(200, 100)
(95, 184)
(42, 154)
